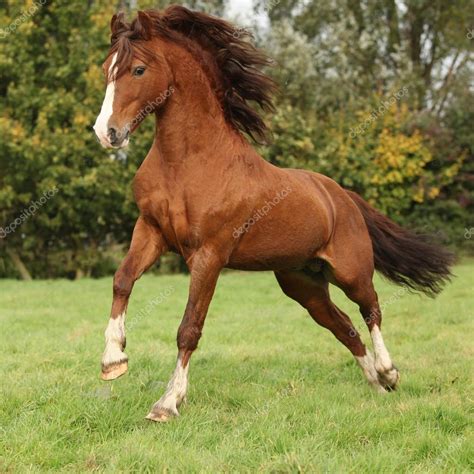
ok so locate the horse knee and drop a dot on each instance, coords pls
(122, 284)
(188, 337)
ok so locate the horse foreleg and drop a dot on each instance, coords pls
(205, 268)
(146, 247)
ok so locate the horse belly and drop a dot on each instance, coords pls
(275, 243)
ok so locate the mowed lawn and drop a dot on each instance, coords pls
(270, 391)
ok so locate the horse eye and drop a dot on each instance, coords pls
(139, 71)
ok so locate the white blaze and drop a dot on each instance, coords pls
(101, 124)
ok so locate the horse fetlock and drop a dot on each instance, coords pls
(366, 363)
(167, 406)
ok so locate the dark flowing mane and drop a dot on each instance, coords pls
(233, 63)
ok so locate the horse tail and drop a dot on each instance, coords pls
(404, 257)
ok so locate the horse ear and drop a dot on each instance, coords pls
(117, 22)
(144, 25)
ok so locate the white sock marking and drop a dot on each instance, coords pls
(367, 365)
(383, 362)
(176, 390)
(114, 340)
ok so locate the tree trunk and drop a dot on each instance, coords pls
(79, 274)
(19, 265)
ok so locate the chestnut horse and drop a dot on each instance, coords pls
(205, 193)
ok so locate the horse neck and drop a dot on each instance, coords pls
(192, 125)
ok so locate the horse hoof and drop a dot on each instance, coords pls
(160, 415)
(114, 371)
(389, 378)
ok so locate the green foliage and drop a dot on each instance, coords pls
(292, 145)
(379, 97)
(52, 87)
(53, 90)
(336, 62)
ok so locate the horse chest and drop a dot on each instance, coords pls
(171, 216)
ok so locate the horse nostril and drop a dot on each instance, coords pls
(112, 134)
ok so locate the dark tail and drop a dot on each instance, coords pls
(404, 257)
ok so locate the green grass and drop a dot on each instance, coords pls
(270, 390)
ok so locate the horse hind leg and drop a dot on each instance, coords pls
(366, 297)
(362, 292)
(312, 293)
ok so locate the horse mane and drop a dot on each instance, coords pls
(232, 63)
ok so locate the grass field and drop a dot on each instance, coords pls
(269, 390)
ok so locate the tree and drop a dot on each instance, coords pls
(340, 61)
(51, 87)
